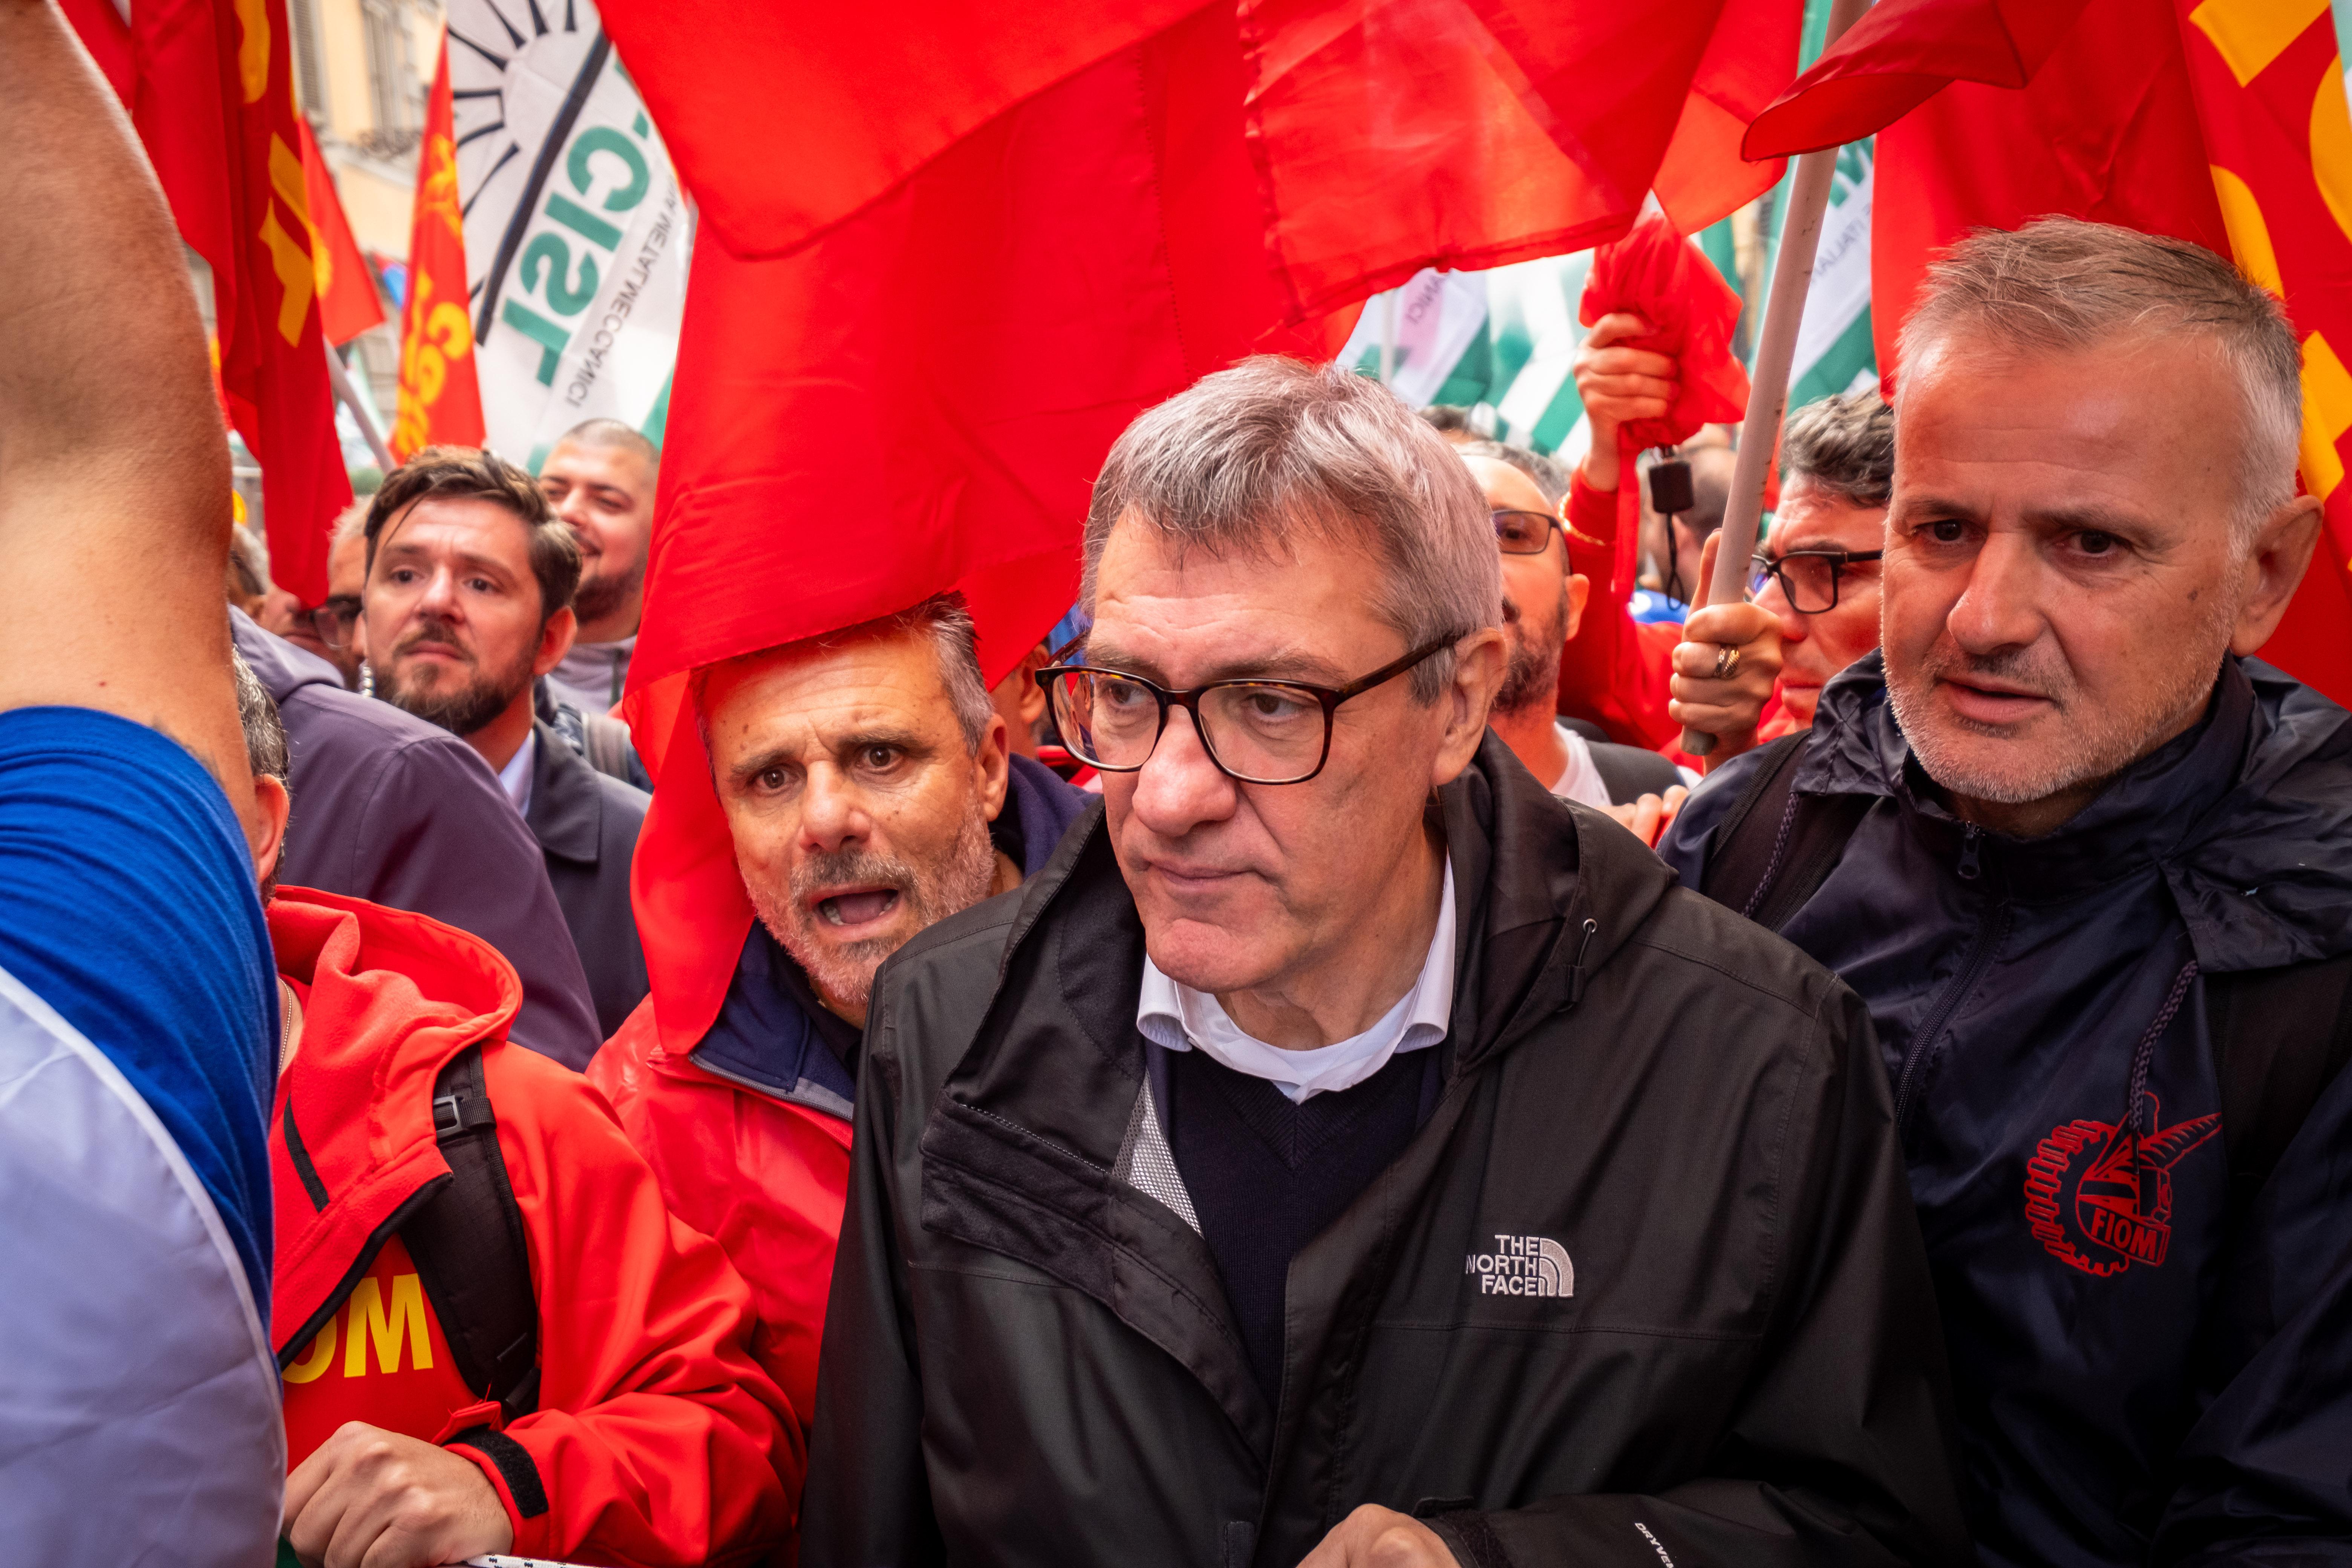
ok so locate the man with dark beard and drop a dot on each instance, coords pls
(470, 579)
(868, 792)
(1543, 603)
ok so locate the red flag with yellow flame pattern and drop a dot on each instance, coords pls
(2278, 139)
(211, 91)
(440, 401)
(2221, 121)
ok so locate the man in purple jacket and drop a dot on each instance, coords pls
(395, 810)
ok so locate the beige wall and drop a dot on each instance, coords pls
(375, 174)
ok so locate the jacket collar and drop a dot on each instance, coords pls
(1020, 1150)
(567, 804)
(392, 998)
(2245, 815)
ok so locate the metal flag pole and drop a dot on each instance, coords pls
(1775, 347)
(363, 410)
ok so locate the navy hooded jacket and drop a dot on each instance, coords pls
(2142, 1375)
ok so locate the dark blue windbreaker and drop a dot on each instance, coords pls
(2141, 1377)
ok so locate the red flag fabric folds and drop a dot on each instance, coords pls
(348, 304)
(785, 119)
(1896, 55)
(1657, 274)
(211, 94)
(919, 400)
(1396, 134)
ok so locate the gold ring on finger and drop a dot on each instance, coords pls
(1726, 663)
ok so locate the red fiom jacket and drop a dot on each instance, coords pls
(657, 1439)
(765, 1178)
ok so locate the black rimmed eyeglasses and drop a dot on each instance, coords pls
(333, 620)
(1809, 579)
(1520, 533)
(1259, 732)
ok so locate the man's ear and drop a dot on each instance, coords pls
(991, 760)
(2274, 568)
(1580, 592)
(266, 836)
(1479, 662)
(555, 641)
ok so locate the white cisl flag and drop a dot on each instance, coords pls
(576, 237)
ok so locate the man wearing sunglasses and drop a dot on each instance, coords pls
(1344, 1150)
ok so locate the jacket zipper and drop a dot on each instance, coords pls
(1990, 931)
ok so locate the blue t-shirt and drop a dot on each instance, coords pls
(127, 903)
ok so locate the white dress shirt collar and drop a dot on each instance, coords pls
(515, 777)
(1178, 1018)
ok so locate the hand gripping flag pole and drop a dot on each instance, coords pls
(1767, 396)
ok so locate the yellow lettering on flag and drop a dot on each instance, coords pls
(2250, 34)
(2326, 414)
(2331, 144)
(289, 257)
(253, 48)
(2250, 237)
(311, 1362)
(373, 1324)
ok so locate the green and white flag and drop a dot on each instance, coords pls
(576, 235)
(1500, 343)
(1834, 353)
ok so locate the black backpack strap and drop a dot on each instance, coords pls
(1775, 847)
(468, 1246)
(2280, 1036)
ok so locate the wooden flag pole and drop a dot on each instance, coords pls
(1775, 348)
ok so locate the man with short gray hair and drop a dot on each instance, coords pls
(2086, 860)
(1345, 1151)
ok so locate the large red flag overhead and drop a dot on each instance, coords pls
(211, 93)
(1397, 134)
(2127, 111)
(785, 119)
(919, 400)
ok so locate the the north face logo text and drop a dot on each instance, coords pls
(1523, 1265)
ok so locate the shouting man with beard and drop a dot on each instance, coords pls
(868, 791)
(468, 601)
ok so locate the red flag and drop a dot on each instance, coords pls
(2112, 123)
(440, 402)
(212, 96)
(919, 400)
(862, 96)
(1397, 134)
(348, 304)
(1659, 276)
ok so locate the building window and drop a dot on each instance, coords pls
(395, 92)
(310, 77)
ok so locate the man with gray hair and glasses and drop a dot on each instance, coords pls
(2087, 862)
(1344, 1150)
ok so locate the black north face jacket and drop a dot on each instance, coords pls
(1029, 1360)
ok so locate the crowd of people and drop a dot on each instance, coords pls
(1303, 1070)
